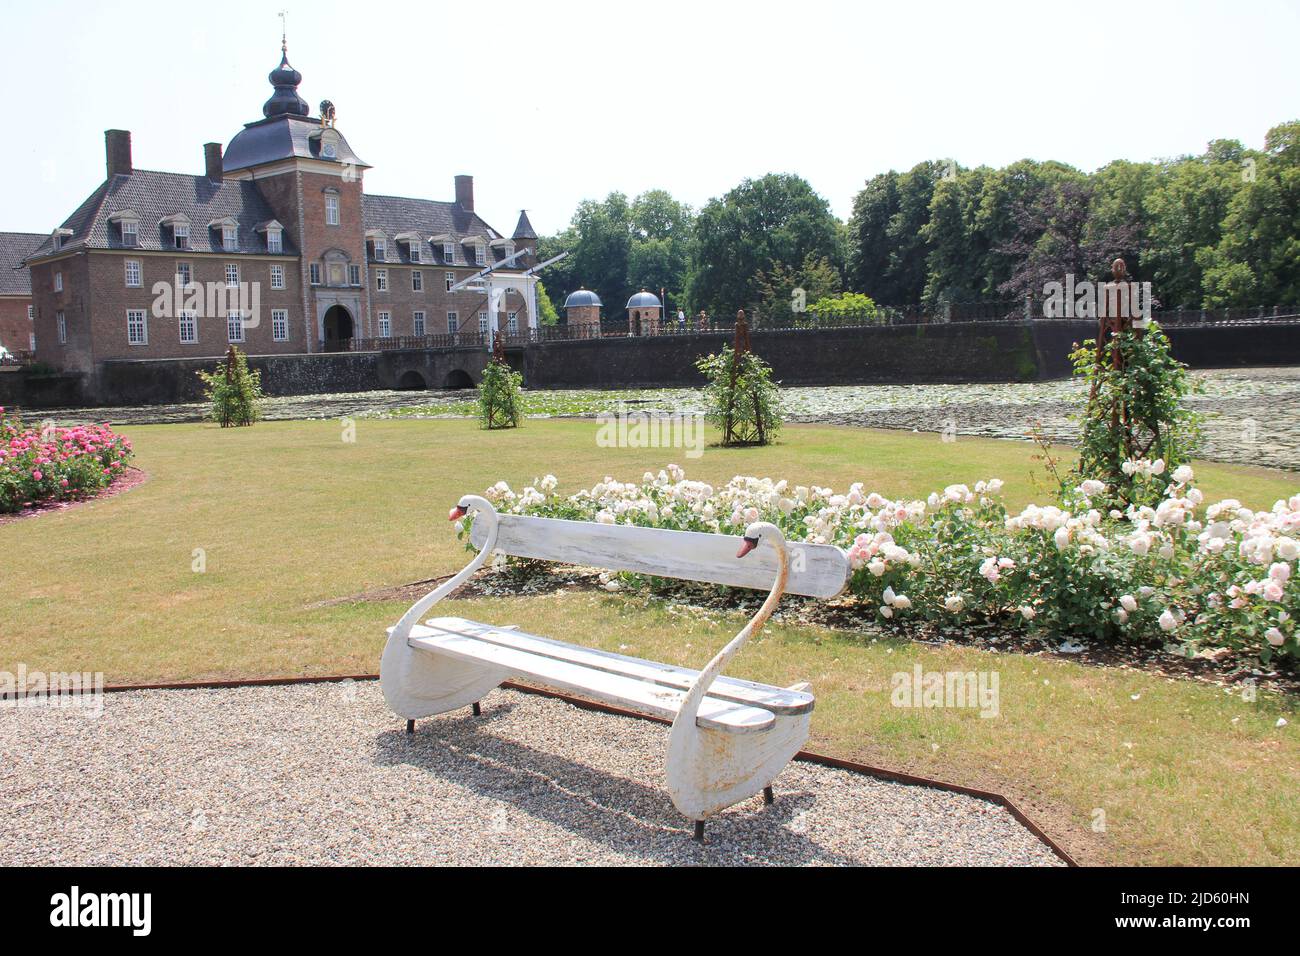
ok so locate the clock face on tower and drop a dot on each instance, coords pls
(328, 151)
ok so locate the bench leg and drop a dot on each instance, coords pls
(768, 797)
(477, 711)
(410, 726)
(699, 831)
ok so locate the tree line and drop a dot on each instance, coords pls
(1214, 230)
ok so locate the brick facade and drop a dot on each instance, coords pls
(286, 171)
(16, 329)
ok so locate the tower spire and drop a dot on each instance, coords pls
(285, 79)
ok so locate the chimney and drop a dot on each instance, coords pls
(465, 192)
(212, 160)
(117, 151)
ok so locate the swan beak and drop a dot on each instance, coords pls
(747, 545)
(456, 513)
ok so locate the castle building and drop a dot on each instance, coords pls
(17, 328)
(275, 247)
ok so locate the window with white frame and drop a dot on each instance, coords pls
(31, 341)
(381, 280)
(313, 272)
(31, 313)
(232, 273)
(274, 241)
(181, 234)
(230, 237)
(137, 331)
(133, 273)
(512, 323)
(184, 274)
(450, 279)
(414, 247)
(58, 282)
(331, 210)
(189, 327)
(417, 323)
(62, 322)
(453, 323)
(235, 326)
(381, 250)
(130, 232)
(482, 323)
(277, 276)
(354, 274)
(280, 325)
(385, 325)
(417, 280)
(480, 254)
(449, 252)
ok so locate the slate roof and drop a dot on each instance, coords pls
(154, 196)
(394, 215)
(524, 228)
(14, 248)
(282, 137)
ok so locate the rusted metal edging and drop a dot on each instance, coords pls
(806, 756)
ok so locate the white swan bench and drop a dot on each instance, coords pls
(730, 737)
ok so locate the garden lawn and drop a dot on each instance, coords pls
(222, 564)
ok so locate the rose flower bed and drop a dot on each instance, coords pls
(1202, 576)
(56, 464)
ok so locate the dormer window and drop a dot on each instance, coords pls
(381, 250)
(449, 252)
(415, 250)
(130, 232)
(274, 241)
(229, 237)
(480, 254)
(181, 235)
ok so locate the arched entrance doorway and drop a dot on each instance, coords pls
(338, 329)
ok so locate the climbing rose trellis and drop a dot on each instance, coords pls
(1201, 576)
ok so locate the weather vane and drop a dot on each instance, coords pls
(284, 31)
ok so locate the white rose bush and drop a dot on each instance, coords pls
(1183, 572)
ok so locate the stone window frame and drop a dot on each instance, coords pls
(512, 323)
(277, 276)
(191, 318)
(61, 321)
(234, 316)
(280, 325)
(333, 216)
(139, 273)
(450, 279)
(381, 280)
(417, 280)
(419, 322)
(483, 325)
(354, 275)
(385, 324)
(453, 321)
(188, 270)
(58, 282)
(232, 269)
(137, 327)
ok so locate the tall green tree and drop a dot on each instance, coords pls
(743, 236)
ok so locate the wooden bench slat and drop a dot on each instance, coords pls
(641, 696)
(778, 700)
(816, 570)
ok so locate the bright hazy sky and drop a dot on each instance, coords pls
(550, 103)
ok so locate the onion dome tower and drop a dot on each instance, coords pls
(285, 101)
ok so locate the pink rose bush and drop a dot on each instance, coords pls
(1183, 572)
(56, 464)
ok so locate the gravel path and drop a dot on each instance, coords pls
(324, 774)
